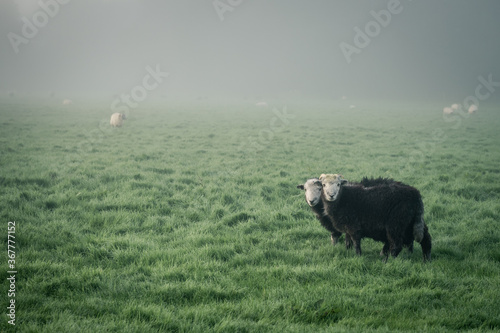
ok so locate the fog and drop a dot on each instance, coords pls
(422, 50)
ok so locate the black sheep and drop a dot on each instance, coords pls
(313, 188)
(391, 213)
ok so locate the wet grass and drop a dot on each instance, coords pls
(188, 219)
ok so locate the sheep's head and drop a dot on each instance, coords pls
(312, 187)
(332, 184)
(122, 115)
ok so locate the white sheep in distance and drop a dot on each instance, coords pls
(262, 104)
(455, 107)
(67, 102)
(472, 109)
(447, 110)
(117, 119)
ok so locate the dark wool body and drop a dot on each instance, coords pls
(326, 221)
(391, 213)
(369, 182)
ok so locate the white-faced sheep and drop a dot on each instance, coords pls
(313, 188)
(117, 119)
(472, 109)
(389, 213)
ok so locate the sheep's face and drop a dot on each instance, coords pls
(332, 184)
(123, 116)
(312, 187)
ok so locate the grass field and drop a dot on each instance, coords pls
(188, 218)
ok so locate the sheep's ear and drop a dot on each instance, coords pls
(322, 176)
(300, 187)
(343, 181)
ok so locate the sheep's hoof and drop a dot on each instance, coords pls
(335, 240)
(384, 253)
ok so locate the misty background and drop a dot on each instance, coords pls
(431, 50)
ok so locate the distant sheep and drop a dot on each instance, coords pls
(117, 119)
(390, 213)
(261, 104)
(447, 110)
(455, 107)
(472, 109)
(67, 102)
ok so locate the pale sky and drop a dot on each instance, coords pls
(427, 49)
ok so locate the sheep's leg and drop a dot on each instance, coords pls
(395, 244)
(395, 250)
(410, 248)
(385, 250)
(335, 237)
(386, 257)
(426, 244)
(357, 243)
(395, 238)
(348, 242)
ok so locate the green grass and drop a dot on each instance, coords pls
(179, 222)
